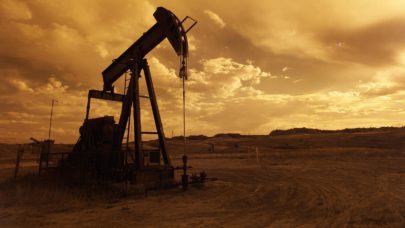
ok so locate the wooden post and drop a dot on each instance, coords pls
(257, 154)
(41, 154)
(20, 152)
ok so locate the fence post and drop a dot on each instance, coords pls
(20, 152)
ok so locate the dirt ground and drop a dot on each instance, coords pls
(323, 180)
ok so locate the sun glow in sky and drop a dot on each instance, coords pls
(254, 66)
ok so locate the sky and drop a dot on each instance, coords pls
(254, 66)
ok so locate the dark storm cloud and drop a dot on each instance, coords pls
(376, 44)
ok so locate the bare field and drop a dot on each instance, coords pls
(320, 180)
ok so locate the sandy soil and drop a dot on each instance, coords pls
(335, 180)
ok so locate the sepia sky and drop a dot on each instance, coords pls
(254, 66)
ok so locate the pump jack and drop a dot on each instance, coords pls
(99, 150)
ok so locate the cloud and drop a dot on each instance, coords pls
(375, 44)
(192, 43)
(15, 10)
(20, 85)
(387, 82)
(46, 52)
(296, 29)
(54, 87)
(28, 108)
(223, 77)
(215, 18)
(343, 71)
(207, 91)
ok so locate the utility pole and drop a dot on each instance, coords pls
(50, 119)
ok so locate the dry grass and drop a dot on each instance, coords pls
(321, 180)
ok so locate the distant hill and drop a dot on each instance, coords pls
(228, 135)
(191, 137)
(304, 130)
(203, 137)
(292, 131)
